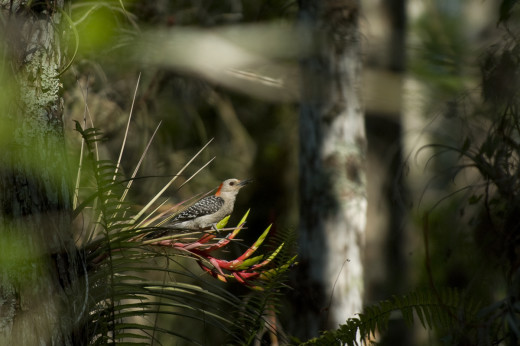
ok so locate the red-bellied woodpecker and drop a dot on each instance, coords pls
(208, 211)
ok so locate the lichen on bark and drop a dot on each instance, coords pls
(332, 175)
(37, 252)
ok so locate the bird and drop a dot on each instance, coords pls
(208, 211)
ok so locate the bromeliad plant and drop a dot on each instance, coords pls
(244, 269)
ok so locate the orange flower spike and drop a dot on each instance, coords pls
(267, 274)
(231, 235)
(239, 278)
(238, 229)
(246, 264)
(216, 264)
(243, 276)
(241, 224)
(205, 238)
(223, 242)
(221, 264)
(255, 246)
(269, 259)
(233, 265)
(212, 273)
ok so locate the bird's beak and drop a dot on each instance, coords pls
(245, 182)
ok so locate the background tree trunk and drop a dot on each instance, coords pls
(332, 176)
(38, 256)
(388, 245)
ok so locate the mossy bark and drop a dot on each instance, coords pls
(37, 254)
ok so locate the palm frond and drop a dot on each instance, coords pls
(435, 309)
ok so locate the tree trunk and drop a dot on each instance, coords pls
(332, 177)
(37, 252)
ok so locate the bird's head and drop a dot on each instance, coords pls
(231, 185)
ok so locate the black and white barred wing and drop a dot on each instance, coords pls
(207, 205)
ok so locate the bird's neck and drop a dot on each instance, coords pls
(227, 196)
(219, 190)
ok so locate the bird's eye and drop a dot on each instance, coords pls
(231, 183)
